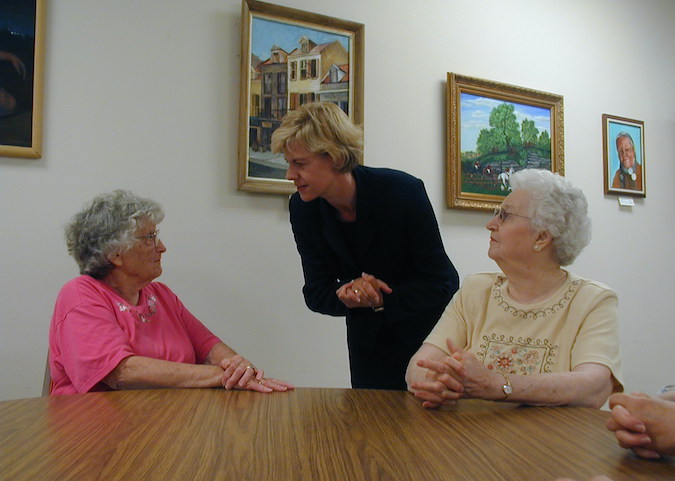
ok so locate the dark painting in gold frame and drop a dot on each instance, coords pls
(22, 39)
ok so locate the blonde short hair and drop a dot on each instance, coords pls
(321, 128)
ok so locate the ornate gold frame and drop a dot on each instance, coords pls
(293, 18)
(611, 125)
(458, 195)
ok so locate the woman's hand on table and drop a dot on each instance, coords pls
(441, 385)
(269, 385)
(439, 388)
(644, 424)
(476, 379)
(451, 377)
(239, 373)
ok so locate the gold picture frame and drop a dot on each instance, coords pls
(622, 179)
(21, 98)
(495, 129)
(290, 57)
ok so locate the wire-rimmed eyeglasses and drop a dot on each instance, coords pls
(503, 215)
(153, 236)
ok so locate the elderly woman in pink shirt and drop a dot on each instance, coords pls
(114, 328)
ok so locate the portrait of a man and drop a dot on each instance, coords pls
(629, 173)
(624, 156)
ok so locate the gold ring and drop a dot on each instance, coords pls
(249, 367)
(356, 291)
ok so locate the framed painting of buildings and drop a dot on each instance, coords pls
(288, 58)
(21, 73)
(623, 146)
(494, 130)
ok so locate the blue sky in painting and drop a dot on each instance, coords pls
(266, 33)
(475, 115)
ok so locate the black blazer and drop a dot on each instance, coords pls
(396, 239)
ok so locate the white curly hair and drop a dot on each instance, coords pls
(559, 207)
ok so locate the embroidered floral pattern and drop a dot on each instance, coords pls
(517, 355)
(547, 311)
(523, 355)
(144, 316)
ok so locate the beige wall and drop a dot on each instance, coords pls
(144, 95)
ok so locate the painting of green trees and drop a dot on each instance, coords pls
(498, 138)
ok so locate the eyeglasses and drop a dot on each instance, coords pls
(154, 237)
(503, 215)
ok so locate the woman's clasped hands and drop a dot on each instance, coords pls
(364, 291)
(452, 377)
(239, 373)
(644, 424)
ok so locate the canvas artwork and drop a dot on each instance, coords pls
(498, 138)
(291, 65)
(291, 58)
(21, 61)
(624, 156)
(496, 130)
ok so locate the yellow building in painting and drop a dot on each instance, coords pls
(308, 66)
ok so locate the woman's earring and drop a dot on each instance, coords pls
(537, 247)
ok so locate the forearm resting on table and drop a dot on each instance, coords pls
(138, 372)
(587, 385)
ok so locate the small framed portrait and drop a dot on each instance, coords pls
(623, 142)
(495, 130)
(288, 58)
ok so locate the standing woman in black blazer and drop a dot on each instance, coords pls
(369, 242)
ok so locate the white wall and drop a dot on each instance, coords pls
(144, 96)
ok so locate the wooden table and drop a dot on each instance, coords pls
(308, 434)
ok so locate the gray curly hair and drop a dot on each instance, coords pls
(106, 226)
(559, 207)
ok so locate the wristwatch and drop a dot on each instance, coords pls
(506, 388)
